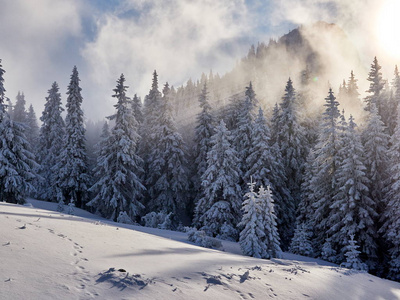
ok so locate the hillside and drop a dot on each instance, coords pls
(48, 255)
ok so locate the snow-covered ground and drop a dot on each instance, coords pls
(48, 255)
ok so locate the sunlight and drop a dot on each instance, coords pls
(388, 28)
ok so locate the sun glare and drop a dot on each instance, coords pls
(388, 28)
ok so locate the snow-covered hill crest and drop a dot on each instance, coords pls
(48, 255)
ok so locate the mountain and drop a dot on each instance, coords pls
(316, 57)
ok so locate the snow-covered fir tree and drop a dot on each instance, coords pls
(202, 141)
(391, 215)
(73, 176)
(118, 188)
(251, 238)
(275, 124)
(376, 86)
(353, 260)
(376, 141)
(301, 242)
(292, 142)
(51, 140)
(352, 211)
(393, 102)
(219, 210)
(264, 166)
(327, 252)
(271, 239)
(137, 109)
(19, 111)
(32, 130)
(352, 88)
(243, 133)
(327, 160)
(17, 163)
(151, 110)
(305, 210)
(167, 180)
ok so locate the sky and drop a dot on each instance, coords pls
(42, 40)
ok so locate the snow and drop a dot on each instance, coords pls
(49, 255)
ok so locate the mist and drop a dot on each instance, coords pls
(42, 41)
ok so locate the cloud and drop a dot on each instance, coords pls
(180, 39)
(34, 36)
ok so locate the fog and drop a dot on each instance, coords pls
(42, 40)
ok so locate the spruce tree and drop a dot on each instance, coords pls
(73, 177)
(32, 131)
(202, 141)
(167, 180)
(19, 111)
(150, 113)
(251, 237)
(352, 211)
(352, 256)
(271, 239)
(376, 143)
(352, 88)
(376, 86)
(292, 142)
(51, 140)
(17, 163)
(219, 210)
(327, 160)
(393, 102)
(137, 109)
(301, 243)
(264, 166)
(118, 188)
(243, 133)
(391, 215)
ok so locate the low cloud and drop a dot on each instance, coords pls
(33, 45)
(180, 39)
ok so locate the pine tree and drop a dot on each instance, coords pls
(137, 109)
(202, 140)
(352, 88)
(271, 239)
(275, 124)
(352, 256)
(51, 140)
(167, 180)
(19, 111)
(17, 163)
(305, 210)
(264, 166)
(292, 142)
(150, 113)
(301, 243)
(352, 211)
(376, 142)
(243, 133)
(118, 188)
(391, 215)
(219, 210)
(393, 104)
(32, 131)
(251, 238)
(376, 86)
(327, 252)
(327, 160)
(73, 177)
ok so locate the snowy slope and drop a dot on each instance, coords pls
(48, 255)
